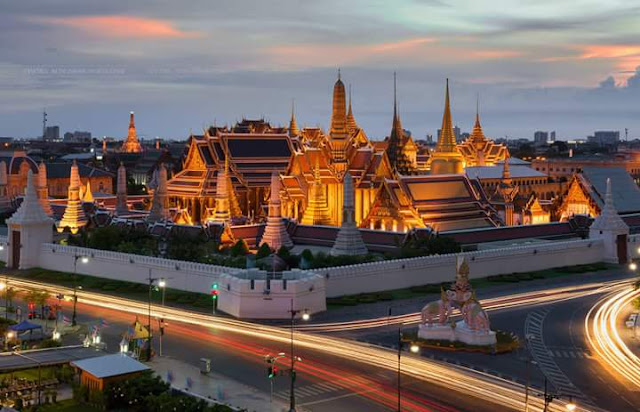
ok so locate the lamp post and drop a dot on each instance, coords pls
(161, 283)
(4, 286)
(549, 397)
(85, 260)
(305, 317)
(528, 338)
(75, 304)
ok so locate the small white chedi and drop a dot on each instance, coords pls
(473, 329)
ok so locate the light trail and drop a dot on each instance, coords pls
(601, 326)
(458, 379)
(519, 300)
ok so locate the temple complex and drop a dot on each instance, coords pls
(131, 144)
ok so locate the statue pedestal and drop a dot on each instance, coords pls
(436, 332)
(461, 333)
(474, 337)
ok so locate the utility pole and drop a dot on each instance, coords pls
(44, 124)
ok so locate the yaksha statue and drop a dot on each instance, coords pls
(473, 329)
(441, 308)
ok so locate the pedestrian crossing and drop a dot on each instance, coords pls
(533, 327)
(307, 391)
(570, 354)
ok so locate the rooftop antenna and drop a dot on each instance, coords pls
(626, 134)
(44, 123)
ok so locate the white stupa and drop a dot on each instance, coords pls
(349, 241)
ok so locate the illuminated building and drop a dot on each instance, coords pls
(388, 191)
(587, 191)
(74, 216)
(401, 149)
(508, 191)
(477, 150)
(275, 233)
(446, 159)
(131, 144)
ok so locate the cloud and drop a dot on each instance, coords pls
(120, 26)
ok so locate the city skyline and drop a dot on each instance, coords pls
(83, 62)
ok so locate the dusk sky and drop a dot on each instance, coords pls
(569, 66)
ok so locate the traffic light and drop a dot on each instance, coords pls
(270, 372)
(214, 291)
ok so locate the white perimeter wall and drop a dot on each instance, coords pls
(345, 280)
(188, 276)
(403, 273)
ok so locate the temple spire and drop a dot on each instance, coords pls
(351, 121)
(349, 241)
(317, 211)
(74, 217)
(447, 140)
(160, 204)
(275, 233)
(293, 125)
(43, 189)
(131, 144)
(122, 207)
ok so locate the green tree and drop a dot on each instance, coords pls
(263, 251)
(240, 248)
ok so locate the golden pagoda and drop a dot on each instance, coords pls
(317, 211)
(131, 145)
(478, 150)
(446, 159)
(339, 134)
(352, 126)
(293, 125)
(74, 217)
(508, 191)
(401, 149)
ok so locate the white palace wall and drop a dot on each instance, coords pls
(344, 280)
(403, 273)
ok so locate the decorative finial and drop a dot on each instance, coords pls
(338, 73)
(395, 100)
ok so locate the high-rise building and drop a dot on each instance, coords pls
(604, 138)
(552, 137)
(540, 138)
(77, 136)
(456, 134)
(52, 133)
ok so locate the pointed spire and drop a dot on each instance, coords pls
(351, 121)
(349, 241)
(30, 210)
(275, 233)
(88, 195)
(609, 219)
(293, 125)
(447, 140)
(339, 113)
(506, 172)
(223, 204)
(43, 189)
(160, 204)
(74, 217)
(131, 144)
(122, 208)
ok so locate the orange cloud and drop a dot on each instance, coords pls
(121, 26)
(627, 57)
(494, 54)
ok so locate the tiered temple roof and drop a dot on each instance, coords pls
(477, 150)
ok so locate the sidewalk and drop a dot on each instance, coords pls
(215, 386)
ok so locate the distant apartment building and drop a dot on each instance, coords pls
(604, 138)
(540, 138)
(565, 167)
(77, 136)
(456, 132)
(552, 136)
(52, 133)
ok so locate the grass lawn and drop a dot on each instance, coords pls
(419, 291)
(136, 291)
(68, 405)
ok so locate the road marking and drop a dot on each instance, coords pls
(533, 325)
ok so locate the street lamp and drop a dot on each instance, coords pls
(414, 348)
(571, 406)
(162, 284)
(75, 304)
(294, 359)
(3, 286)
(633, 266)
(124, 345)
(84, 260)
